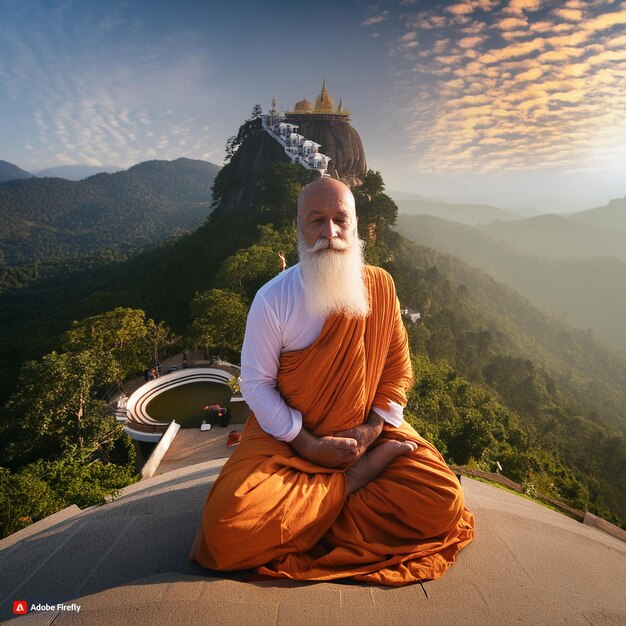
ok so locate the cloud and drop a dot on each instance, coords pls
(463, 8)
(512, 35)
(568, 96)
(429, 22)
(447, 60)
(617, 42)
(455, 84)
(513, 51)
(575, 39)
(561, 54)
(575, 69)
(530, 75)
(441, 46)
(574, 15)
(375, 19)
(542, 88)
(608, 55)
(512, 23)
(606, 20)
(470, 42)
(519, 6)
(87, 111)
(474, 28)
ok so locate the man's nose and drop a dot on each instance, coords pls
(330, 230)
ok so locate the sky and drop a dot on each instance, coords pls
(518, 103)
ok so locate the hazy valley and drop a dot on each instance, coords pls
(574, 270)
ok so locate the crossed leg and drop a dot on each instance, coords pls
(398, 505)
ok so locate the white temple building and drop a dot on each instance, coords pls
(297, 147)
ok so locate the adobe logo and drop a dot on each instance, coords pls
(20, 607)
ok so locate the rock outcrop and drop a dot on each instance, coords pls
(238, 181)
(341, 142)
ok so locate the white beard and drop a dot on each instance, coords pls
(334, 283)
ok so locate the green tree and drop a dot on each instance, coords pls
(157, 337)
(218, 320)
(250, 268)
(276, 199)
(24, 499)
(125, 334)
(46, 486)
(58, 406)
(247, 129)
(376, 211)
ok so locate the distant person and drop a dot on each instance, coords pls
(185, 358)
(329, 481)
(282, 260)
(218, 415)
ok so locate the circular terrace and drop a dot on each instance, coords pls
(176, 396)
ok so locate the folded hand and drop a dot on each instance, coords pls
(363, 434)
(328, 451)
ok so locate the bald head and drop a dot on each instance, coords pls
(325, 192)
(326, 210)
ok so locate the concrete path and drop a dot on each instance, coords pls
(125, 563)
(192, 446)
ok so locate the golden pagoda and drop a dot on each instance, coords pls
(304, 106)
(324, 108)
(324, 103)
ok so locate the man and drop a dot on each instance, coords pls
(328, 480)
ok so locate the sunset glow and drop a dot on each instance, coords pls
(506, 101)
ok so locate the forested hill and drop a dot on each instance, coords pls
(10, 171)
(612, 215)
(587, 292)
(77, 172)
(47, 218)
(466, 213)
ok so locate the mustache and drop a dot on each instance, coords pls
(328, 244)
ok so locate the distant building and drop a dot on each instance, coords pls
(297, 147)
(414, 316)
(324, 109)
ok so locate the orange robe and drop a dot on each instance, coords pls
(272, 510)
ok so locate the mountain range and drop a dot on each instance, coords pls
(10, 171)
(576, 278)
(77, 172)
(611, 216)
(599, 233)
(463, 212)
(120, 213)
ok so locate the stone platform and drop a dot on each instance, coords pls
(126, 563)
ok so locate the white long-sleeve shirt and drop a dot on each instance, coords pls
(279, 322)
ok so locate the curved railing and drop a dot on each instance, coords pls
(138, 401)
